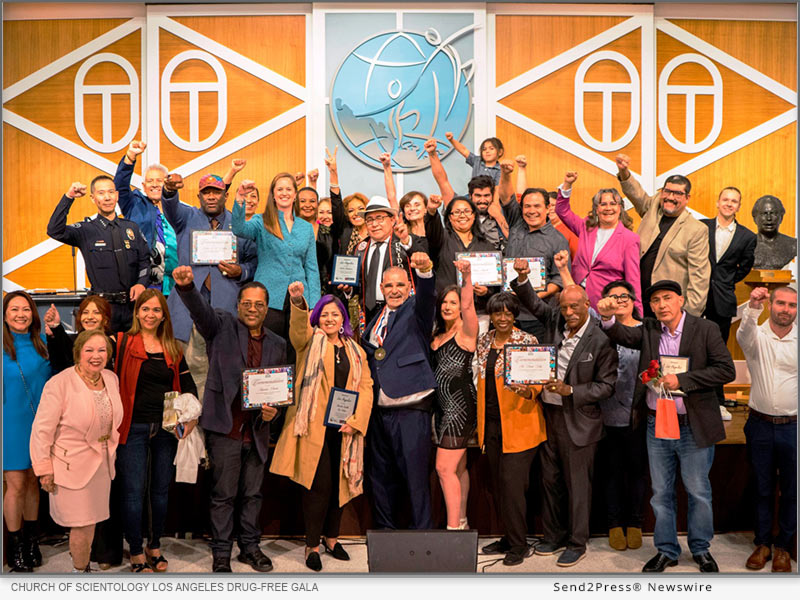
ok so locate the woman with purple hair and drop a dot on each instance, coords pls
(328, 461)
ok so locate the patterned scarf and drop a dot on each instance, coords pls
(314, 370)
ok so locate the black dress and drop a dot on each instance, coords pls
(456, 399)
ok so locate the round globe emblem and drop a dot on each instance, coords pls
(397, 89)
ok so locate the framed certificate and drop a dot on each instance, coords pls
(213, 247)
(674, 365)
(267, 386)
(345, 270)
(528, 364)
(341, 406)
(537, 276)
(487, 267)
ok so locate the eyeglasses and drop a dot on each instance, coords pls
(461, 213)
(247, 305)
(377, 220)
(675, 193)
(620, 297)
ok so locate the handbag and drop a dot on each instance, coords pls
(667, 427)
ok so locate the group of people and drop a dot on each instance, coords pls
(417, 339)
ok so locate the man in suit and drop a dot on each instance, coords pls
(397, 342)
(666, 224)
(586, 374)
(237, 441)
(218, 284)
(675, 332)
(731, 252)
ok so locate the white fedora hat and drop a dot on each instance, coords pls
(378, 204)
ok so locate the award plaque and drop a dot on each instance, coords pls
(674, 365)
(528, 364)
(213, 247)
(537, 276)
(487, 267)
(267, 386)
(341, 406)
(345, 270)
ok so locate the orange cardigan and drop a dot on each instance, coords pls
(521, 420)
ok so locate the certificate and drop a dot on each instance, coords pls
(527, 364)
(537, 276)
(268, 386)
(341, 406)
(345, 270)
(674, 365)
(213, 247)
(487, 268)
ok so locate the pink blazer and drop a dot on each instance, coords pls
(619, 258)
(65, 439)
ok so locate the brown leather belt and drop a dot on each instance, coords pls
(772, 419)
(683, 419)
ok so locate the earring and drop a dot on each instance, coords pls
(341, 329)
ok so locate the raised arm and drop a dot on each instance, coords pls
(457, 146)
(506, 188)
(205, 318)
(538, 307)
(247, 229)
(630, 337)
(57, 228)
(388, 180)
(747, 334)
(468, 337)
(439, 174)
(425, 298)
(300, 331)
(631, 188)
(522, 174)
(122, 178)
(176, 213)
(561, 260)
(563, 208)
(237, 164)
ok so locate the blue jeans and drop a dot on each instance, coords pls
(695, 463)
(132, 470)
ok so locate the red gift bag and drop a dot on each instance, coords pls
(667, 427)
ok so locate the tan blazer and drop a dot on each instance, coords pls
(683, 255)
(66, 439)
(297, 457)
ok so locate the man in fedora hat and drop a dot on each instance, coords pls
(680, 337)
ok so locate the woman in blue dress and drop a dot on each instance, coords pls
(287, 249)
(25, 370)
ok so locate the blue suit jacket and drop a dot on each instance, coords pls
(226, 338)
(405, 369)
(185, 219)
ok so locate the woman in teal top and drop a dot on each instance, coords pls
(25, 371)
(287, 250)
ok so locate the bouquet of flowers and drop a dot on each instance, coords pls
(651, 375)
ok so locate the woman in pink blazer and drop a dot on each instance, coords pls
(607, 250)
(74, 441)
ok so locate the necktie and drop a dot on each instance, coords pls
(372, 276)
(119, 253)
(214, 227)
(159, 227)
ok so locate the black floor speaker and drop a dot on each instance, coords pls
(422, 551)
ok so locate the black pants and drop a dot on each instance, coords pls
(121, 316)
(622, 462)
(510, 484)
(321, 511)
(237, 473)
(567, 481)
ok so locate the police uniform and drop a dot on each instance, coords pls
(116, 254)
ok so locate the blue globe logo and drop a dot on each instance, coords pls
(397, 89)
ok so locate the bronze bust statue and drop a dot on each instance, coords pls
(774, 250)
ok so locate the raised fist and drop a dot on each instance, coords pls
(448, 135)
(430, 146)
(522, 268)
(623, 162)
(463, 266)
(421, 261)
(570, 177)
(247, 186)
(386, 160)
(607, 307)
(173, 182)
(434, 202)
(183, 275)
(522, 161)
(561, 258)
(51, 317)
(296, 289)
(76, 190)
(758, 296)
(313, 175)
(299, 178)
(237, 164)
(136, 148)
(507, 167)
(330, 159)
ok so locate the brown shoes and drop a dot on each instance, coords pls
(634, 538)
(616, 538)
(781, 562)
(759, 558)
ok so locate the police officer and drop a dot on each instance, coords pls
(116, 254)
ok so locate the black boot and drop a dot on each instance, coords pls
(30, 548)
(16, 560)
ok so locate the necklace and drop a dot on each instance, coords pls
(336, 353)
(87, 379)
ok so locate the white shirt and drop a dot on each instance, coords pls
(723, 236)
(564, 356)
(381, 255)
(603, 235)
(772, 362)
